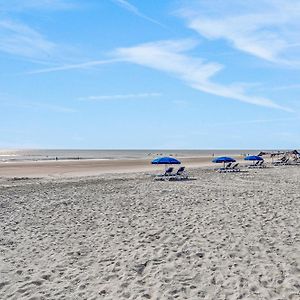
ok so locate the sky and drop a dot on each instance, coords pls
(138, 74)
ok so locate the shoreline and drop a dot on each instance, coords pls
(94, 167)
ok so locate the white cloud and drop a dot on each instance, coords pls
(169, 56)
(38, 106)
(19, 39)
(268, 30)
(281, 87)
(85, 65)
(255, 121)
(134, 10)
(120, 96)
(22, 40)
(50, 107)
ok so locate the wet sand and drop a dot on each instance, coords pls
(90, 167)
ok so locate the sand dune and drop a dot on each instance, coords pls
(125, 236)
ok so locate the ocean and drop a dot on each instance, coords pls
(73, 154)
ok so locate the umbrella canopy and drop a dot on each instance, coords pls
(253, 157)
(165, 161)
(223, 159)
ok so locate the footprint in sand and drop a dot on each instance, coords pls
(3, 284)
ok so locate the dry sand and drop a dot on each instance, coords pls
(126, 236)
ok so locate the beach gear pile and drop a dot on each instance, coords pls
(229, 164)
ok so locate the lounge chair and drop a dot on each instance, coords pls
(254, 165)
(280, 161)
(296, 161)
(230, 168)
(167, 174)
(286, 162)
(235, 168)
(261, 164)
(225, 169)
(258, 165)
(180, 174)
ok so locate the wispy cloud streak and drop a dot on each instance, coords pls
(38, 106)
(19, 39)
(170, 57)
(120, 97)
(84, 65)
(255, 121)
(281, 88)
(134, 10)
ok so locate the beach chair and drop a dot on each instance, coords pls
(286, 162)
(254, 165)
(164, 176)
(261, 164)
(225, 169)
(230, 168)
(296, 161)
(235, 168)
(180, 174)
(280, 162)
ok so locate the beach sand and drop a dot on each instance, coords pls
(126, 236)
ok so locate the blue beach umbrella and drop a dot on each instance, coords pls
(165, 161)
(224, 160)
(253, 158)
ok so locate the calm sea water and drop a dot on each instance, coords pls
(37, 155)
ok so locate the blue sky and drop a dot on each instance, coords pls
(118, 74)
